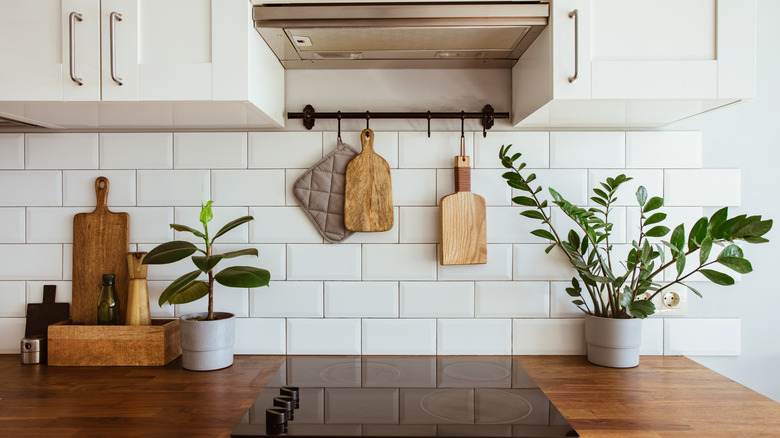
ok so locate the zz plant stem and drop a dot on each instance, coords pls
(590, 253)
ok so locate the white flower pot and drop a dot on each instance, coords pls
(613, 342)
(207, 345)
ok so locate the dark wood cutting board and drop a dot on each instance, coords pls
(368, 197)
(41, 315)
(100, 245)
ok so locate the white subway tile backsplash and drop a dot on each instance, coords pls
(30, 262)
(484, 182)
(532, 263)
(512, 299)
(165, 188)
(652, 337)
(548, 336)
(61, 151)
(150, 224)
(190, 216)
(13, 225)
(398, 336)
(363, 299)
(51, 224)
(572, 184)
(282, 225)
(290, 176)
(287, 299)
(269, 256)
(62, 294)
(399, 262)
(416, 150)
(498, 266)
(142, 150)
(67, 261)
(703, 187)
(561, 305)
(11, 151)
(323, 262)
(156, 289)
(474, 336)
(385, 144)
(13, 332)
(583, 150)
(702, 336)
(652, 180)
(260, 336)
(419, 224)
(506, 225)
(13, 301)
(248, 187)
(667, 150)
(282, 150)
(31, 188)
(674, 216)
(323, 336)
(424, 299)
(210, 150)
(226, 299)
(79, 187)
(535, 147)
(414, 186)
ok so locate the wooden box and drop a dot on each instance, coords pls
(117, 345)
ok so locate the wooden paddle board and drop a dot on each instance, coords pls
(100, 245)
(463, 221)
(368, 197)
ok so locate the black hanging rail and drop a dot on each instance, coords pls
(487, 115)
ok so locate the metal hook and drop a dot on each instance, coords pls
(368, 117)
(339, 125)
(429, 124)
(462, 122)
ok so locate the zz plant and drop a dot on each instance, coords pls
(604, 291)
(188, 288)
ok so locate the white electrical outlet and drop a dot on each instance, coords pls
(672, 301)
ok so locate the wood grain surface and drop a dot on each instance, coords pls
(368, 197)
(138, 312)
(100, 245)
(463, 221)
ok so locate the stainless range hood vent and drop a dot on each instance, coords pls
(401, 35)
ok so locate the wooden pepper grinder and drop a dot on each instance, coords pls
(137, 292)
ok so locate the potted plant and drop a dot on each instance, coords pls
(206, 338)
(616, 296)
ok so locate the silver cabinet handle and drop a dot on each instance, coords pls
(74, 16)
(575, 15)
(113, 18)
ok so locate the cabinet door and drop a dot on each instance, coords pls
(571, 23)
(119, 50)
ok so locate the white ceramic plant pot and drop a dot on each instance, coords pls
(613, 342)
(207, 345)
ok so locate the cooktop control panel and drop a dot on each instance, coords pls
(407, 397)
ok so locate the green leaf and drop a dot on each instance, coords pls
(658, 231)
(716, 220)
(704, 251)
(641, 196)
(578, 302)
(557, 196)
(205, 213)
(177, 285)
(230, 225)
(573, 292)
(549, 248)
(736, 264)
(241, 252)
(600, 193)
(698, 233)
(655, 218)
(169, 252)
(680, 265)
(544, 234)
(243, 276)
(192, 292)
(205, 263)
(653, 204)
(731, 251)
(717, 277)
(178, 227)
(755, 229)
(574, 239)
(692, 289)
(533, 214)
(678, 237)
(524, 200)
(641, 309)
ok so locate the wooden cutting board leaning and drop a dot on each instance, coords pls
(463, 220)
(100, 245)
(368, 197)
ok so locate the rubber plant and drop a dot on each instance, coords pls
(188, 288)
(606, 291)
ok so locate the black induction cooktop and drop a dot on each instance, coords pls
(402, 397)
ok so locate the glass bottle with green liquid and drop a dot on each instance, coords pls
(108, 302)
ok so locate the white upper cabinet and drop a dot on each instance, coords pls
(172, 63)
(633, 63)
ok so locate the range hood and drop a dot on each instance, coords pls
(400, 35)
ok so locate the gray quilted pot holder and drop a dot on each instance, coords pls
(320, 190)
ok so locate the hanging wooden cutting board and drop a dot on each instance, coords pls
(463, 221)
(100, 245)
(368, 197)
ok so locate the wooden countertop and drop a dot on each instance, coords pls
(663, 397)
